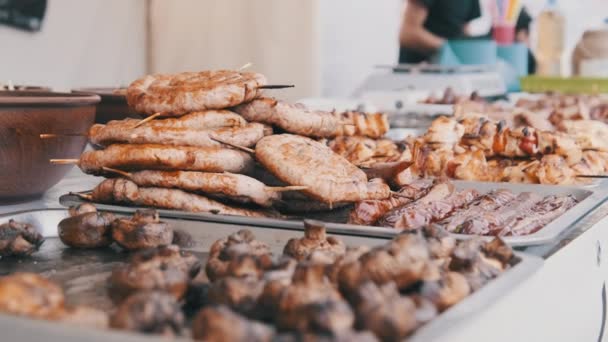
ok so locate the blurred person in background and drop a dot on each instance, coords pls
(427, 24)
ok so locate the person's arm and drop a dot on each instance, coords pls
(413, 34)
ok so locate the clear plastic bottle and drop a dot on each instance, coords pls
(550, 47)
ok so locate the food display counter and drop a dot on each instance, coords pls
(568, 290)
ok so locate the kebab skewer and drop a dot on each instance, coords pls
(297, 119)
(160, 157)
(119, 190)
(239, 188)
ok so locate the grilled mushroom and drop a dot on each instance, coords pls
(19, 239)
(222, 324)
(165, 268)
(86, 228)
(143, 230)
(225, 256)
(315, 240)
(152, 312)
(382, 310)
(31, 295)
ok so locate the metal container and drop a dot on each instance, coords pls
(83, 275)
(589, 199)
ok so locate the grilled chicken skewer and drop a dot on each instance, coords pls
(236, 187)
(329, 177)
(297, 119)
(160, 157)
(246, 135)
(178, 94)
(120, 190)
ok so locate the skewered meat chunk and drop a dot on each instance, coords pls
(31, 295)
(165, 268)
(161, 157)
(19, 239)
(209, 119)
(178, 94)
(247, 135)
(541, 214)
(365, 151)
(222, 324)
(372, 125)
(315, 240)
(143, 230)
(370, 211)
(124, 191)
(295, 118)
(150, 312)
(86, 228)
(238, 255)
(486, 203)
(291, 159)
(383, 311)
(419, 214)
(402, 261)
(233, 186)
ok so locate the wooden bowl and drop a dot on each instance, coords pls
(113, 105)
(24, 157)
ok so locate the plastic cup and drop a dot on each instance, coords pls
(504, 34)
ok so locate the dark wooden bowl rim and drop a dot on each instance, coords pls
(40, 98)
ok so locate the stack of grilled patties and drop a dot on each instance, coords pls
(208, 146)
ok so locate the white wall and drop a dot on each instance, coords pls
(355, 36)
(82, 43)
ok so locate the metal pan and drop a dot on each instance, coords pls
(589, 199)
(83, 275)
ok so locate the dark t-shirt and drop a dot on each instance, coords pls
(446, 19)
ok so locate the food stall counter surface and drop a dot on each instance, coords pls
(574, 263)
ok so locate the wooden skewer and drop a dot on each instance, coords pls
(118, 172)
(149, 118)
(87, 197)
(246, 66)
(592, 176)
(242, 148)
(276, 86)
(64, 161)
(55, 135)
(287, 188)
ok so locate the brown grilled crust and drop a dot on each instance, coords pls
(105, 135)
(178, 94)
(297, 160)
(123, 191)
(160, 157)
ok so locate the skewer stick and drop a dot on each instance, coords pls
(246, 66)
(242, 148)
(276, 86)
(64, 161)
(87, 197)
(149, 118)
(118, 172)
(592, 176)
(287, 188)
(55, 135)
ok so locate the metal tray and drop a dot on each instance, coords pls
(83, 275)
(589, 199)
